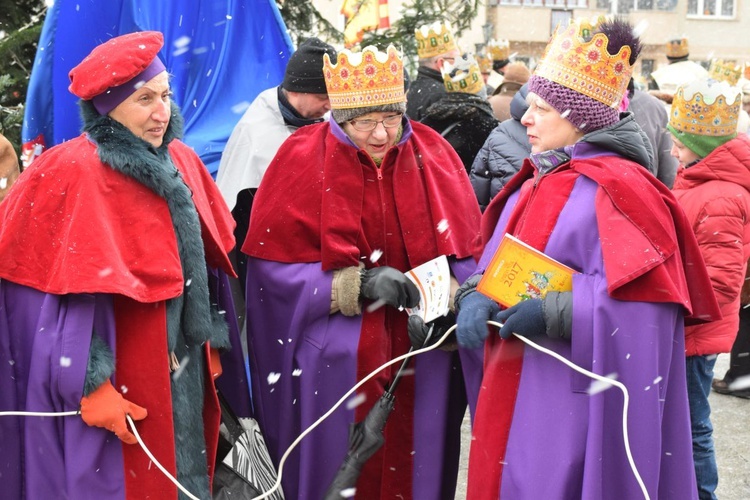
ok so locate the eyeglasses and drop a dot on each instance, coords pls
(369, 125)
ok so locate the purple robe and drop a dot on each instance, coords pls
(44, 349)
(303, 359)
(565, 443)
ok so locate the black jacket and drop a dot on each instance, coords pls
(464, 120)
(426, 89)
(502, 154)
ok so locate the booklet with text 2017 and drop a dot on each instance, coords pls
(518, 272)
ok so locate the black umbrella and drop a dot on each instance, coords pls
(365, 438)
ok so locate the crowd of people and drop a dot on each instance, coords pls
(134, 287)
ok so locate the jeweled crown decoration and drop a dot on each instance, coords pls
(485, 63)
(706, 107)
(434, 39)
(363, 79)
(678, 48)
(464, 77)
(725, 71)
(499, 50)
(575, 59)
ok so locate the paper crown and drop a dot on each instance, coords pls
(434, 39)
(677, 48)
(499, 50)
(575, 59)
(485, 63)
(464, 77)
(706, 107)
(363, 79)
(725, 71)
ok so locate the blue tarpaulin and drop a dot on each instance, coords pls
(220, 53)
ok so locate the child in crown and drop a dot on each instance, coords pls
(713, 187)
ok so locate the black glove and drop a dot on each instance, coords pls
(418, 329)
(525, 318)
(474, 311)
(389, 285)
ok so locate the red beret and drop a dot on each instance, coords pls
(114, 62)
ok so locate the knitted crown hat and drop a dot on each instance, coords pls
(117, 68)
(304, 71)
(585, 70)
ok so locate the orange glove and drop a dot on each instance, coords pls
(214, 363)
(106, 408)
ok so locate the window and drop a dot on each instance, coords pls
(711, 8)
(569, 4)
(626, 6)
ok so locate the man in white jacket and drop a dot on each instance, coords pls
(274, 115)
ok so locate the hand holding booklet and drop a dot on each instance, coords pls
(519, 271)
(433, 279)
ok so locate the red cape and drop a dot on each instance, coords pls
(630, 207)
(310, 199)
(83, 227)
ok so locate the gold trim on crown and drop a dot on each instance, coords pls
(586, 66)
(706, 107)
(484, 62)
(466, 76)
(434, 39)
(678, 48)
(363, 79)
(725, 71)
(499, 50)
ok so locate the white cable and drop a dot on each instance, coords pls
(359, 384)
(132, 427)
(38, 413)
(341, 401)
(156, 462)
(596, 376)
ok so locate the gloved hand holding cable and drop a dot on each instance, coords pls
(106, 408)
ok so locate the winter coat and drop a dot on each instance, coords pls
(464, 120)
(502, 154)
(715, 194)
(650, 114)
(426, 89)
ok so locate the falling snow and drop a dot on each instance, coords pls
(443, 226)
(356, 401)
(375, 255)
(65, 362)
(273, 377)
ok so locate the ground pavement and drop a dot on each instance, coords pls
(731, 419)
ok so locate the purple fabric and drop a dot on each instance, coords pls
(565, 443)
(113, 96)
(233, 383)
(303, 359)
(44, 352)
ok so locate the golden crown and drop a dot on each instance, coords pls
(706, 107)
(363, 79)
(499, 49)
(463, 77)
(678, 48)
(434, 39)
(485, 63)
(725, 71)
(575, 59)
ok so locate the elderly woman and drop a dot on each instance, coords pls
(115, 245)
(583, 198)
(343, 211)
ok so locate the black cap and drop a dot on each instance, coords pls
(304, 72)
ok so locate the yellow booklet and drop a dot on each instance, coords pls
(518, 272)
